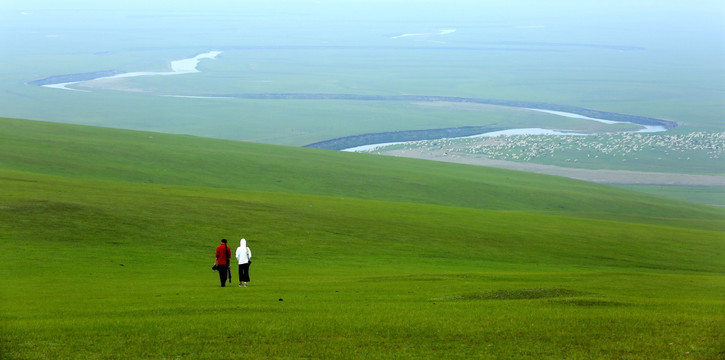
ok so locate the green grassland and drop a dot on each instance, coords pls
(106, 242)
(89, 152)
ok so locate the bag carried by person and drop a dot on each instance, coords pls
(229, 266)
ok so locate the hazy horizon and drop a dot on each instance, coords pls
(663, 59)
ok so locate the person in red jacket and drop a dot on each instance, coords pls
(223, 254)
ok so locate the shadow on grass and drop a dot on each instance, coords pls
(560, 296)
(517, 294)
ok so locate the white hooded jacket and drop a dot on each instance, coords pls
(243, 252)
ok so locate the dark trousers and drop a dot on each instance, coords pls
(244, 272)
(223, 269)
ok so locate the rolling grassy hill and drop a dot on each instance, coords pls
(106, 240)
(95, 153)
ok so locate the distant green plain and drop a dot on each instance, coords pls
(642, 84)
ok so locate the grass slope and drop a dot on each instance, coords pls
(101, 260)
(97, 153)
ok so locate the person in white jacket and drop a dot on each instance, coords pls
(243, 256)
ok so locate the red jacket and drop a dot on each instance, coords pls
(223, 254)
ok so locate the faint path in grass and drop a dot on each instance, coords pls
(614, 177)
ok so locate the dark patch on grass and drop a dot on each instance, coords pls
(43, 207)
(517, 294)
(426, 277)
(5, 178)
(588, 302)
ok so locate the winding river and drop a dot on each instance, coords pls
(178, 67)
(367, 141)
(523, 131)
